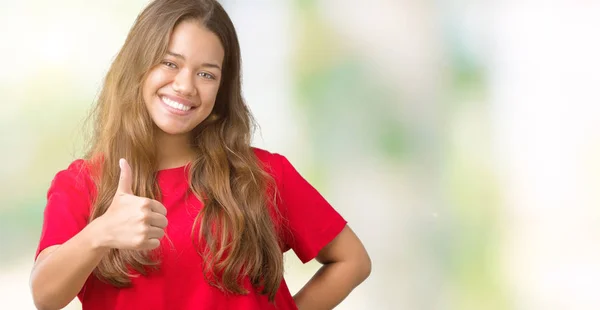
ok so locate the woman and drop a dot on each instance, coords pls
(171, 208)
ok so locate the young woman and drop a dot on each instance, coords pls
(172, 208)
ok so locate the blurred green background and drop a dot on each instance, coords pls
(460, 139)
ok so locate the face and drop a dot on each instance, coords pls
(180, 92)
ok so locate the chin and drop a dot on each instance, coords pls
(170, 129)
(174, 131)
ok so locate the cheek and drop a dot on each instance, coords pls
(209, 93)
(155, 80)
(146, 90)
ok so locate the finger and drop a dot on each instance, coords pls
(158, 208)
(155, 233)
(150, 244)
(125, 179)
(158, 220)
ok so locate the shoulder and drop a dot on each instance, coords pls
(280, 168)
(77, 169)
(273, 163)
(77, 176)
(264, 155)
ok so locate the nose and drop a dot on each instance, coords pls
(183, 84)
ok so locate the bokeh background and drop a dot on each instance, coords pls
(460, 138)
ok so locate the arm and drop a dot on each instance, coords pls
(60, 271)
(346, 264)
(131, 222)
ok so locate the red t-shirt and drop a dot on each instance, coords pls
(179, 284)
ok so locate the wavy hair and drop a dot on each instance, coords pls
(239, 238)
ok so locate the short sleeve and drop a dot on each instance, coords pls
(67, 206)
(310, 221)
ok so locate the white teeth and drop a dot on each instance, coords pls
(175, 105)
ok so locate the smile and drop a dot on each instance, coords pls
(175, 105)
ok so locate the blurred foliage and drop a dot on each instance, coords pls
(349, 113)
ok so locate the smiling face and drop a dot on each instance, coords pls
(180, 92)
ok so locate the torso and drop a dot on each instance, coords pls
(179, 282)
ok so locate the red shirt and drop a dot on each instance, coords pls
(179, 283)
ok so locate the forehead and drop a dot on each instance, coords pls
(196, 43)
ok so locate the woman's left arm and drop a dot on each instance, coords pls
(346, 264)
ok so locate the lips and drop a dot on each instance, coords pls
(176, 107)
(175, 104)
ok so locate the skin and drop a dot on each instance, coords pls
(131, 222)
(189, 74)
(346, 264)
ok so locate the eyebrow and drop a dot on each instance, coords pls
(206, 64)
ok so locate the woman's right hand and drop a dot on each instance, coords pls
(131, 222)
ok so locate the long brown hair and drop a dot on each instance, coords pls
(235, 224)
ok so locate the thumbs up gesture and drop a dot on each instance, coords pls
(132, 222)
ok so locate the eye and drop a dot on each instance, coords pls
(169, 64)
(206, 75)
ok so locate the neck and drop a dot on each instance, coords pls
(173, 150)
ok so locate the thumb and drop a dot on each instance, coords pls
(125, 179)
